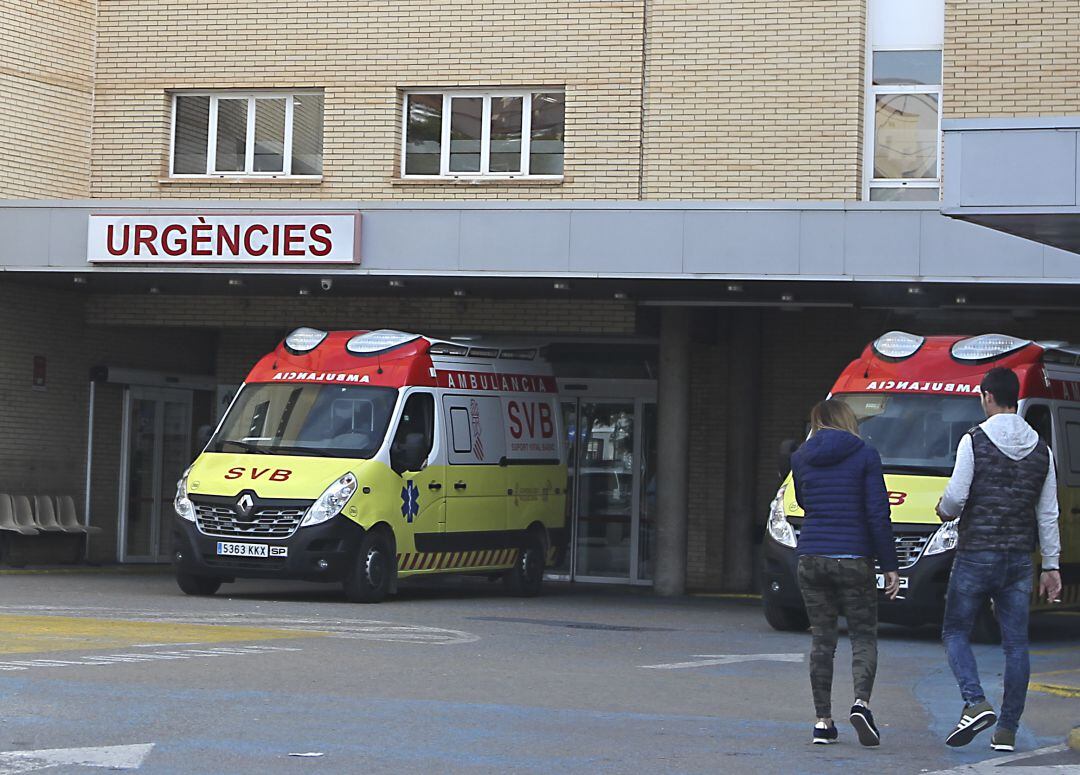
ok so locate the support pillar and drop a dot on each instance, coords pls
(743, 411)
(673, 449)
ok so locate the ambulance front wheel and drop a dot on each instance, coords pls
(527, 575)
(370, 577)
(785, 619)
(190, 584)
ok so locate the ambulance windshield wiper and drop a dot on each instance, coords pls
(890, 468)
(244, 445)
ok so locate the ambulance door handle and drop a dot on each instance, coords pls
(434, 486)
(460, 485)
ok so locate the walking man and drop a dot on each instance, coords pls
(1004, 491)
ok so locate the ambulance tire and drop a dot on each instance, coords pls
(786, 619)
(527, 576)
(986, 628)
(370, 578)
(190, 584)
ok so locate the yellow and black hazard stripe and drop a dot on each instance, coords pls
(426, 561)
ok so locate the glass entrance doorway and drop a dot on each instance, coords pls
(155, 448)
(610, 427)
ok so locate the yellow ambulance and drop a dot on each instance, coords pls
(364, 457)
(915, 397)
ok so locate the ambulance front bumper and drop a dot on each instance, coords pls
(317, 553)
(922, 601)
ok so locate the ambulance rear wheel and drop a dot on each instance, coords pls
(190, 584)
(371, 574)
(527, 575)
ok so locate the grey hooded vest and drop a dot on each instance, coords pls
(999, 515)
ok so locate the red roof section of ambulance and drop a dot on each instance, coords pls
(933, 369)
(330, 362)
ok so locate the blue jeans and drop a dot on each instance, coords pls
(1004, 578)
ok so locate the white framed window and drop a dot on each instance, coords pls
(246, 134)
(483, 134)
(902, 159)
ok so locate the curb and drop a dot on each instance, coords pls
(1074, 739)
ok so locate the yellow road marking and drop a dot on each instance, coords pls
(1060, 691)
(1069, 689)
(32, 634)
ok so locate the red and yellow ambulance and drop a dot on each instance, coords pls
(915, 397)
(363, 457)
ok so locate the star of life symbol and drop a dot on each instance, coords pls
(245, 503)
(410, 501)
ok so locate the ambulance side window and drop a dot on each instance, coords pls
(415, 433)
(460, 431)
(1038, 417)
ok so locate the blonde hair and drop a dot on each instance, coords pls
(834, 415)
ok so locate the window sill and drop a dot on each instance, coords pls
(479, 181)
(245, 180)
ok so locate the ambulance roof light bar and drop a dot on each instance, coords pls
(304, 340)
(897, 345)
(372, 342)
(987, 347)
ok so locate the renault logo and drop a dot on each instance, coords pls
(244, 505)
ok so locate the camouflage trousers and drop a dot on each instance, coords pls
(832, 587)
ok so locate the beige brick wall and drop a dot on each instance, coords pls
(46, 90)
(754, 99)
(1019, 58)
(362, 54)
(745, 100)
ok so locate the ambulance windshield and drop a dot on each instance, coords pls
(306, 419)
(914, 432)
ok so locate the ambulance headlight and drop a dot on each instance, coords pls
(944, 540)
(185, 509)
(331, 502)
(779, 528)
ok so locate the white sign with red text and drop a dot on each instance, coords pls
(530, 427)
(224, 237)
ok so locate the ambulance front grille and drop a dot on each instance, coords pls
(264, 522)
(909, 547)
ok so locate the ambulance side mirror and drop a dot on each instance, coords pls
(787, 449)
(410, 454)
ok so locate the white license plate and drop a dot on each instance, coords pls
(881, 581)
(229, 549)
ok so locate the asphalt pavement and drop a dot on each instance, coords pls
(121, 671)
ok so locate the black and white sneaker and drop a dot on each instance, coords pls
(973, 720)
(825, 735)
(863, 720)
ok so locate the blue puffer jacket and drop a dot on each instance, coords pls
(838, 483)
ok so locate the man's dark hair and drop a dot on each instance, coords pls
(1003, 385)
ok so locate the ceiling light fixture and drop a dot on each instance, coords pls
(459, 292)
(734, 288)
(396, 283)
(235, 282)
(561, 286)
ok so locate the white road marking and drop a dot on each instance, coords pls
(148, 656)
(709, 660)
(113, 757)
(1012, 762)
(351, 629)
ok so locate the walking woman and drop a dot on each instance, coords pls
(840, 487)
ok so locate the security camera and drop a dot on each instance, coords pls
(326, 283)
